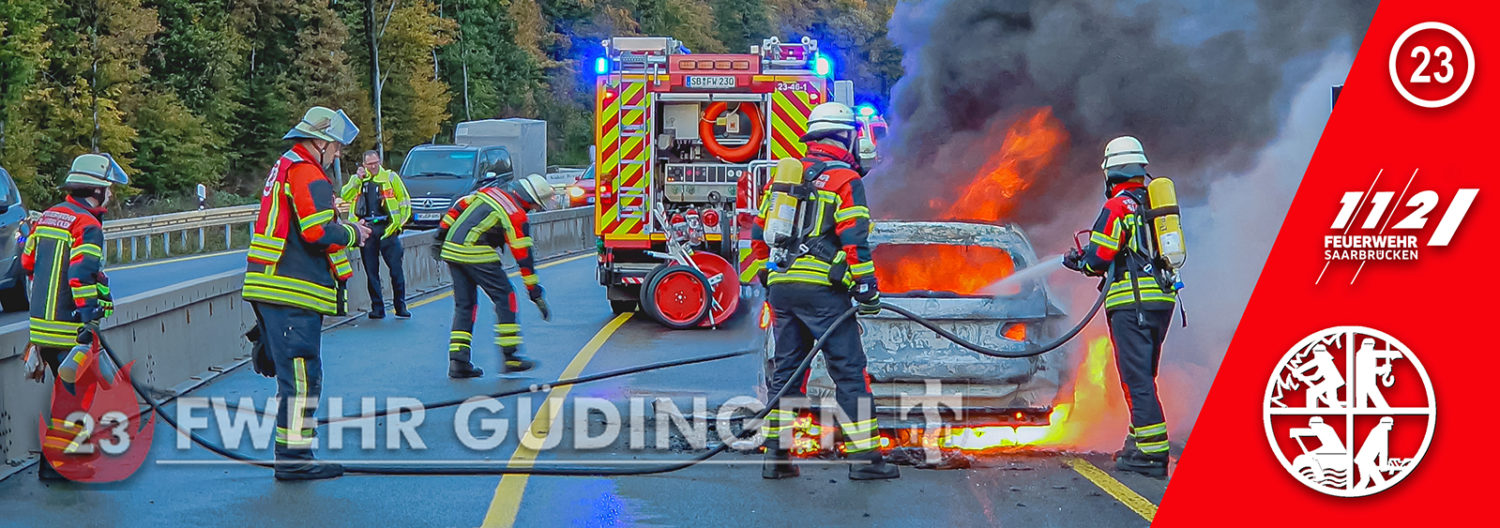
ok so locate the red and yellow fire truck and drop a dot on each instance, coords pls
(679, 139)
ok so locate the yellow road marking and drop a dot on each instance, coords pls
(169, 261)
(1119, 491)
(507, 501)
(449, 292)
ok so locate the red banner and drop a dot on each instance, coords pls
(1355, 390)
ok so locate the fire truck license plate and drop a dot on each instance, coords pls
(717, 81)
(428, 217)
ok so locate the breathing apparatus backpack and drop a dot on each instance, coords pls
(788, 213)
(1165, 249)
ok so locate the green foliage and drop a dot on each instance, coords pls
(200, 91)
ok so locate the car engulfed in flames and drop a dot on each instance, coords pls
(933, 394)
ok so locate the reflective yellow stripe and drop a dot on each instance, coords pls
(508, 328)
(288, 282)
(531, 280)
(863, 268)
(54, 326)
(315, 219)
(850, 213)
(86, 249)
(862, 445)
(521, 243)
(508, 341)
(1104, 241)
(288, 291)
(811, 263)
(858, 429)
(1153, 447)
(798, 276)
(460, 336)
(53, 233)
(1149, 430)
(299, 369)
(85, 292)
(751, 270)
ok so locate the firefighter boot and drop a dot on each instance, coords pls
(870, 465)
(463, 369)
(514, 362)
(312, 471)
(778, 465)
(1149, 464)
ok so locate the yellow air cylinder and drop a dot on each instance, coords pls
(1167, 227)
(781, 213)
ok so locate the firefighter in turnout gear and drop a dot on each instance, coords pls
(469, 235)
(1139, 302)
(297, 267)
(381, 202)
(827, 260)
(65, 260)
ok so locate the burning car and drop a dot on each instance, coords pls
(911, 365)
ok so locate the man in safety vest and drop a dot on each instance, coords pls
(65, 259)
(297, 265)
(1138, 304)
(382, 203)
(468, 236)
(811, 290)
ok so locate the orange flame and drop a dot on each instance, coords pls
(1032, 143)
(1026, 147)
(1084, 420)
(964, 270)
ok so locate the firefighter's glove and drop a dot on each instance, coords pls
(87, 332)
(1073, 260)
(867, 294)
(539, 298)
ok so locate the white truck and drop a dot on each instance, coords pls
(525, 139)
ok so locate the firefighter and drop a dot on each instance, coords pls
(1138, 304)
(381, 202)
(468, 236)
(297, 267)
(811, 288)
(64, 257)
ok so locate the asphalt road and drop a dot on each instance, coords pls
(129, 279)
(407, 358)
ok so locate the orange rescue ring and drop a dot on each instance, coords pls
(742, 153)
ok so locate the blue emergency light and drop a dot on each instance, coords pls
(822, 66)
(601, 66)
(866, 110)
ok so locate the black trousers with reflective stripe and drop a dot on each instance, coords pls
(1137, 356)
(802, 313)
(293, 339)
(468, 279)
(376, 249)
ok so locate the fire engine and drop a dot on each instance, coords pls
(680, 138)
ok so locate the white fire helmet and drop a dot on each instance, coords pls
(1123, 150)
(829, 119)
(535, 189)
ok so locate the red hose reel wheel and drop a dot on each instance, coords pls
(676, 296)
(726, 291)
(742, 153)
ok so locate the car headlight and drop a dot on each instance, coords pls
(576, 192)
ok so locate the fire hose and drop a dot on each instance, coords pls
(386, 469)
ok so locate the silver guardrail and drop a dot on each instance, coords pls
(140, 233)
(184, 334)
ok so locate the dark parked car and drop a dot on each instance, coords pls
(435, 175)
(13, 226)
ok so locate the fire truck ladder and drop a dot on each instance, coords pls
(635, 123)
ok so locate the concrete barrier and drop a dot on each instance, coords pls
(181, 335)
